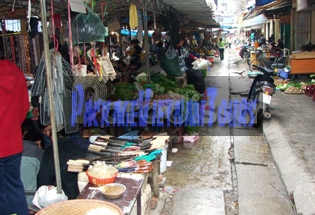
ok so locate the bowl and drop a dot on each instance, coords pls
(113, 190)
(101, 181)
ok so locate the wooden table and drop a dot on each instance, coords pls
(302, 63)
(126, 202)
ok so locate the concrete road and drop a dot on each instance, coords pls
(230, 169)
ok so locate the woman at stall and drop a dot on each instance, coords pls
(135, 52)
(194, 77)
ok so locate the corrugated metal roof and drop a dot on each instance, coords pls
(197, 10)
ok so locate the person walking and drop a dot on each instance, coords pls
(13, 110)
(221, 45)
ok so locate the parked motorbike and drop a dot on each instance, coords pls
(261, 91)
(244, 52)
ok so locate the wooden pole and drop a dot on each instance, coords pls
(50, 93)
(146, 41)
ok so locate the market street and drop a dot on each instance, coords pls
(230, 170)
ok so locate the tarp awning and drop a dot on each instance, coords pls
(263, 2)
(257, 20)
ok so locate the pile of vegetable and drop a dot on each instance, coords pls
(293, 87)
(162, 87)
(166, 88)
(122, 91)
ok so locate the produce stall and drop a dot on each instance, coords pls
(302, 63)
(292, 87)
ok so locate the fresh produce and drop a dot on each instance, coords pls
(192, 129)
(293, 90)
(123, 91)
(141, 78)
(168, 84)
(292, 87)
(167, 88)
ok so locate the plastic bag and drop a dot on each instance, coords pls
(88, 28)
(200, 64)
(80, 69)
(47, 195)
(171, 52)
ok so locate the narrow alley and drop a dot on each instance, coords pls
(230, 169)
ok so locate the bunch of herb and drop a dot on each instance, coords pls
(123, 91)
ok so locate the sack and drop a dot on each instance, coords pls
(200, 64)
(171, 66)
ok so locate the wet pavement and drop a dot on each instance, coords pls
(200, 174)
(230, 170)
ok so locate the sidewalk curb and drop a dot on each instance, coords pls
(296, 179)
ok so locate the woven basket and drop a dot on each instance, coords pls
(80, 207)
(101, 181)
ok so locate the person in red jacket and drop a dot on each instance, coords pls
(13, 109)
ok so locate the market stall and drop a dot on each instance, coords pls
(83, 87)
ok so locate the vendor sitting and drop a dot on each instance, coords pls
(31, 157)
(67, 150)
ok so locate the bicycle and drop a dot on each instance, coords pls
(280, 61)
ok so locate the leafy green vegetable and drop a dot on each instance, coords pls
(142, 77)
(192, 129)
(123, 91)
(282, 86)
(292, 84)
(195, 97)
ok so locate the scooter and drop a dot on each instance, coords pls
(244, 52)
(261, 92)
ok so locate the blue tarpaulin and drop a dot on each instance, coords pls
(134, 32)
(263, 2)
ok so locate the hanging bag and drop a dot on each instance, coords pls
(88, 28)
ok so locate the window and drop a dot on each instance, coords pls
(15, 25)
(12, 25)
